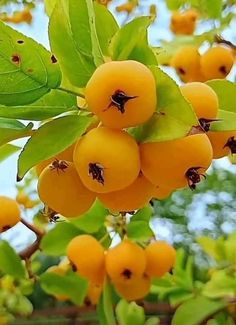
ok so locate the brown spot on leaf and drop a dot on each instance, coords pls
(20, 41)
(15, 58)
(30, 70)
(53, 59)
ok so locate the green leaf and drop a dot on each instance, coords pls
(106, 26)
(52, 104)
(49, 6)
(202, 307)
(54, 243)
(27, 70)
(7, 150)
(91, 221)
(10, 262)
(174, 117)
(209, 246)
(51, 138)
(74, 40)
(143, 214)
(221, 285)
(128, 37)
(12, 129)
(144, 54)
(70, 284)
(139, 230)
(179, 297)
(107, 304)
(82, 21)
(174, 4)
(226, 92)
(152, 321)
(213, 11)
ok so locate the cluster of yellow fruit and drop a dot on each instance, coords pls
(129, 266)
(183, 23)
(190, 65)
(109, 164)
(18, 17)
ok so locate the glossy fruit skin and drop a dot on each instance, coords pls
(125, 262)
(203, 99)
(132, 78)
(160, 258)
(217, 62)
(165, 163)
(161, 193)
(9, 213)
(137, 289)
(186, 62)
(218, 141)
(115, 152)
(63, 191)
(183, 23)
(87, 255)
(133, 197)
(66, 154)
(94, 293)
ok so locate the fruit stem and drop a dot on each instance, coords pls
(76, 93)
(220, 40)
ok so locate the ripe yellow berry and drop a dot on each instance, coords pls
(203, 99)
(176, 163)
(217, 62)
(132, 197)
(161, 193)
(60, 188)
(87, 255)
(223, 143)
(137, 289)
(107, 159)
(94, 293)
(160, 258)
(183, 23)
(122, 93)
(186, 62)
(125, 262)
(9, 213)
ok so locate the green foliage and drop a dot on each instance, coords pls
(167, 123)
(52, 104)
(130, 42)
(202, 307)
(139, 230)
(70, 285)
(28, 70)
(226, 91)
(10, 262)
(47, 141)
(7, 150)
(54, 244)
(13, 129)
(129, 313)
(92, 221)
(106, 27)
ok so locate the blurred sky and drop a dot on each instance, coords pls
(38, 31)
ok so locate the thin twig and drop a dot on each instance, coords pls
(220, 40)
(26, 253)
